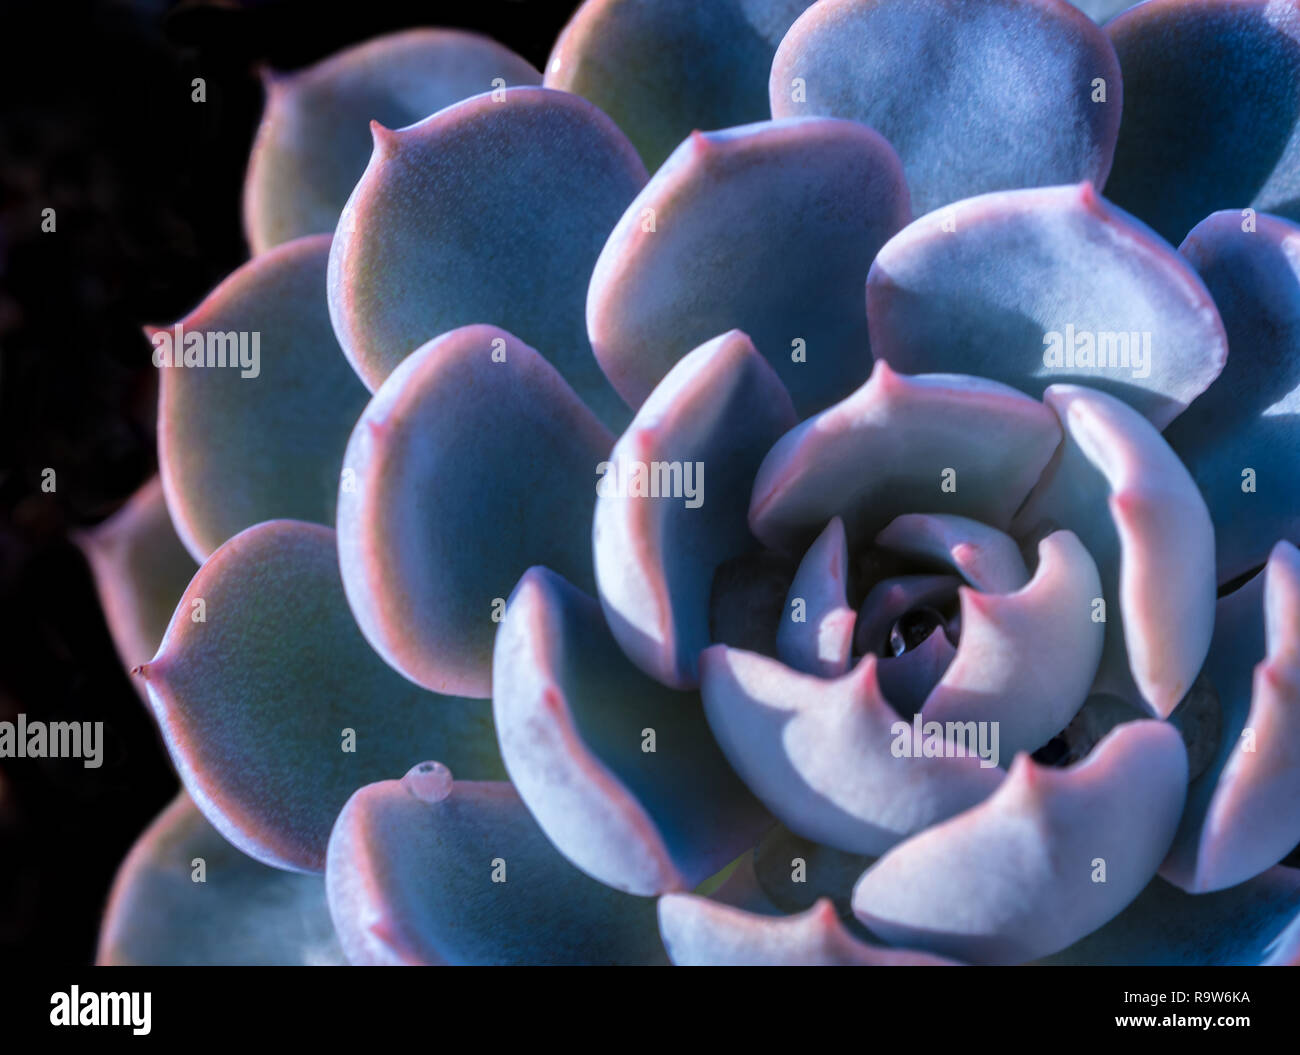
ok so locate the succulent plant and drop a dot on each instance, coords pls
(845, 537)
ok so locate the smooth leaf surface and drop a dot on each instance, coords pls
(314, 139)
(273, 707)
(490, 211)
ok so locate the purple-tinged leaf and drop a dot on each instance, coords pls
(1034, 287)
(1253, 923)
(891, 599)
(930, 444)
(273, 707)
(312, 145)
(1243, 813)
(907, 680)
(975, 97)
(473, 462)
(461, 874)
(140, 569)
(1019, 876)
(769, 228)
(816, 628)
(186, 897)
(1211, 103)
(1027, 658)
(621, 773)
(1116, 484)
(260, 434)
(821, 755)
(986, 558)
(658, 537)
(661, 68)
(698, 932)
(491, 211)
(1241, 440)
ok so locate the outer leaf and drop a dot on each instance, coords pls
(141, 569)
(769, 228)
(443, 231)
(661, 68)
(975, 97)
(263, 436)
(1243, 813)
(1211, 102)
(312, 145)
(273, 707)
(473, 462)
(1033, 287)
(1253, 923)
(411, 881)
(240, 912)
(1250, 417)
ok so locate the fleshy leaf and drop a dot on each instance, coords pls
(986, 558)
(1211, 101)
(1243, 813)
(890, 599)
(908, 680)
(491, 211)
(1016, 877)
(930, 444)
(661, 68)
(141, 569)
(975, 97)
(698, 932)
(241, 913)
(574, 719)
(816, 629)
(1027, 658)
(314, 139)
(1033, 287)
(473, 462)
(748, 600)
(820, 754)
(1250, 417)
(769, 228)
(1253, 923)
(464, 875)
(1116, 484)
(260, 434)
(712, 418)
(273, 707)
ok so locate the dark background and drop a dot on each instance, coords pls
(99, 125)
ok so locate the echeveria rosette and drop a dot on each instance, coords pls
(671, 767)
